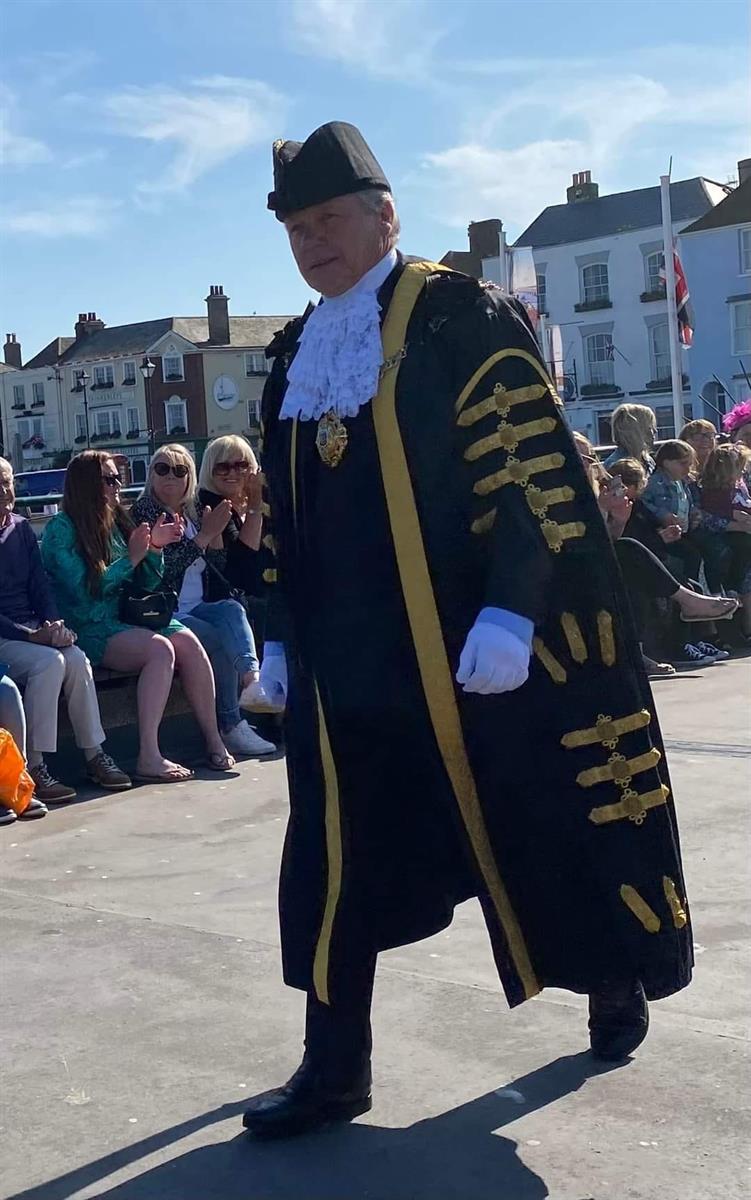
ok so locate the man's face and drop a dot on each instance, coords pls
(337, 242)
(7, 493)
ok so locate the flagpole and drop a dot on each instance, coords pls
(676, 374)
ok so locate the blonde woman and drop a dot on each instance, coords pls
(194, 568)
(634, 431)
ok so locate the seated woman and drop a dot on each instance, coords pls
(90, 550)
(634, 431)
(725, 498)
(194, 568)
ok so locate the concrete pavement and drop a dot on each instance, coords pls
(142, 1004)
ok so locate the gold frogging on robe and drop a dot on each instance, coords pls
(555, 670)
(607, 730)
(507, 437)
(619, 769)
(639, 907)
(677, 910)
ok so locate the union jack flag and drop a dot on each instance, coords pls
(682, 301)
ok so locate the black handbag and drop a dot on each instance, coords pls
(149, 609)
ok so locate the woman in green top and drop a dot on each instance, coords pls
(90, 550)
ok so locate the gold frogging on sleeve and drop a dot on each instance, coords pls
(269, 575)
(518, 472)
(484, 523)
(554, 669)
(639, 907)
(269, 543)
(556, 535)
(508, 437)
(607, 637)
(632, 806)
(607, 730)
(539, 502)
(500, 391)
(619, 769)
(677, 910)
(574, 638)
(500, 402)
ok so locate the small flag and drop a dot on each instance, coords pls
(682, 301)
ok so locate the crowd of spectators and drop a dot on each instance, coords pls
(679, 517)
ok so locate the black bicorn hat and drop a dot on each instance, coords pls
(334, 161)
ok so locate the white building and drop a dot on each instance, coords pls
(598, 261)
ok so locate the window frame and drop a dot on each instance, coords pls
(173, 377)
(38, 397)
(127, 381)
(132, 408)
(651, 284)
(173, 401)
(251, 371)
(19, 395)
(735, 328)
(583, 286)
(108, 369)
(744, 251)
(80, 424)
(33, 421)
(608, 360)
(254, 410)
(112, 430)
(654, 354)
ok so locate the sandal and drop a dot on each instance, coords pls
(166, 777)
(729, 611)
(220, 762)
(657, 669)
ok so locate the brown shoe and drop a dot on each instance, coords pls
(48, 789)
(103, 771)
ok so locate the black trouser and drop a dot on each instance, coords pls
(647, 579)
(338, 1037)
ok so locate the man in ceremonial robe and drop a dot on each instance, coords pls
(467, 714)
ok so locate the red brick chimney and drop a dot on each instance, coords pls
(218, 307)
(12, 351)
(87, 324)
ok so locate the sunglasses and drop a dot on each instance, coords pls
(113, 481)
(179, 470)
(240, 467)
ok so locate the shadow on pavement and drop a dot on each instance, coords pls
(455, 1156)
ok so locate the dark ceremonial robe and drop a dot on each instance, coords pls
(459, 488)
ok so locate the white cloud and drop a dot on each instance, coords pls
(17, 150)
(385, 38)
(78, 216)
(207, 123)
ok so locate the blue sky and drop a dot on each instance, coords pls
(136, 133)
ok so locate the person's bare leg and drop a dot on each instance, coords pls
(708, 608)
(197, 680)
(153, 657)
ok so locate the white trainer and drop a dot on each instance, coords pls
(255, 698)
(244, 740)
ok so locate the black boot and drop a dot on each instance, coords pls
(306, 1103)
(618, 1021)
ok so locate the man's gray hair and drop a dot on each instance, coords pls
(373, 200)
(5, 465)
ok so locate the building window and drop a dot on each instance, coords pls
(542, 294)
(254, 412)
(652, 268)
(744, 238)
(31, 427)
(129, 374)
(80, 425)
(176, 415)
(37, 395)
(665, 423)
(138, 470)
(742, 392)
(604, 430)
(659, 351)
(134, 421)
(599, 354)
(104, 376)
(106, 422)
(594, 282)
(19, 395)
(255, 363)
(172, 366)
(740, 316)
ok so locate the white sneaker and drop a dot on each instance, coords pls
(244, 740)
(255, 698)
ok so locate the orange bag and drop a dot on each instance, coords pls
(16, 785)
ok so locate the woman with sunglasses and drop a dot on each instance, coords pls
(194, 568)
(90, 550)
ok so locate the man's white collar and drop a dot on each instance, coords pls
(338, 363)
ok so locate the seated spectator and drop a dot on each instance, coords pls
(12, 718)
(669, 498)
(229, 471)
(725, 498)
(43, 659)
(701, 436)
(646, 577)
(194, 569)
(738, 423)
(634, 431)
(91, 549)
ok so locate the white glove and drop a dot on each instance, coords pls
(493, 660)
(274, 671)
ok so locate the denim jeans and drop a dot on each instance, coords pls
(224, 631)
(12, 715)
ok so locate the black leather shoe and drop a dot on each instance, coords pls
(618, 1021)
(306, 1103)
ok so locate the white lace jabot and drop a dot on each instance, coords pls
(340, 352)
